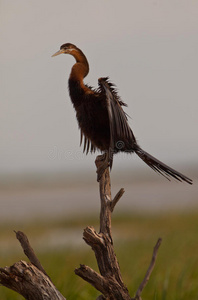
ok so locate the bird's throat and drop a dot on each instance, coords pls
(79, 71)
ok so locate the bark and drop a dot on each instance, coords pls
(29, 279)
(109, 282)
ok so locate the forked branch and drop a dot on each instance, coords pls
(109, 282)
(29, 252)
(29, 279)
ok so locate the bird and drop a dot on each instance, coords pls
(102, 121)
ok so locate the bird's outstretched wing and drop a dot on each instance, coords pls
(119, 127)
(120, 131)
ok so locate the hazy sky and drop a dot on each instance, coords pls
(148, 48)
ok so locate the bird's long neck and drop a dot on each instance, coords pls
(81, 68)
(77, 89)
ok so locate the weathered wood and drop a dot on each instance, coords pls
(27, 280)
(109, 282)
(29, 252)
(112, 286)
(116, 198)
(149, 271)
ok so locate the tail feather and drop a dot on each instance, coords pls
(160, 167)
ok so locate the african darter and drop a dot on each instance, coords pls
(102, 121)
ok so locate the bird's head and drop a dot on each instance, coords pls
(82, 65)
(66, 49)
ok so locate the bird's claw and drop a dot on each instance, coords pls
(101, 169)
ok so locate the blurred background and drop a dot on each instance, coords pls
(149, 50)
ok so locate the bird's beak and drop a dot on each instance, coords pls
(58, 52)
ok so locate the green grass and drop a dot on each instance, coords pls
(175, 276)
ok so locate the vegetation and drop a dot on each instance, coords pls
(174, 277)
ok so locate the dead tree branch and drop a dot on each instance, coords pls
(109, 282)
(32, 282)
(29, 252)
(149, 271)
(29, 279)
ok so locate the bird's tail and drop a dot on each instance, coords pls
(160, 167)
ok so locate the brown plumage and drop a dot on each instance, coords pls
(101, 118)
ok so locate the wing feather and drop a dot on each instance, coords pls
(119, 127)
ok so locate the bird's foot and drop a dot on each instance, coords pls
(102, 164)
(101, 169)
